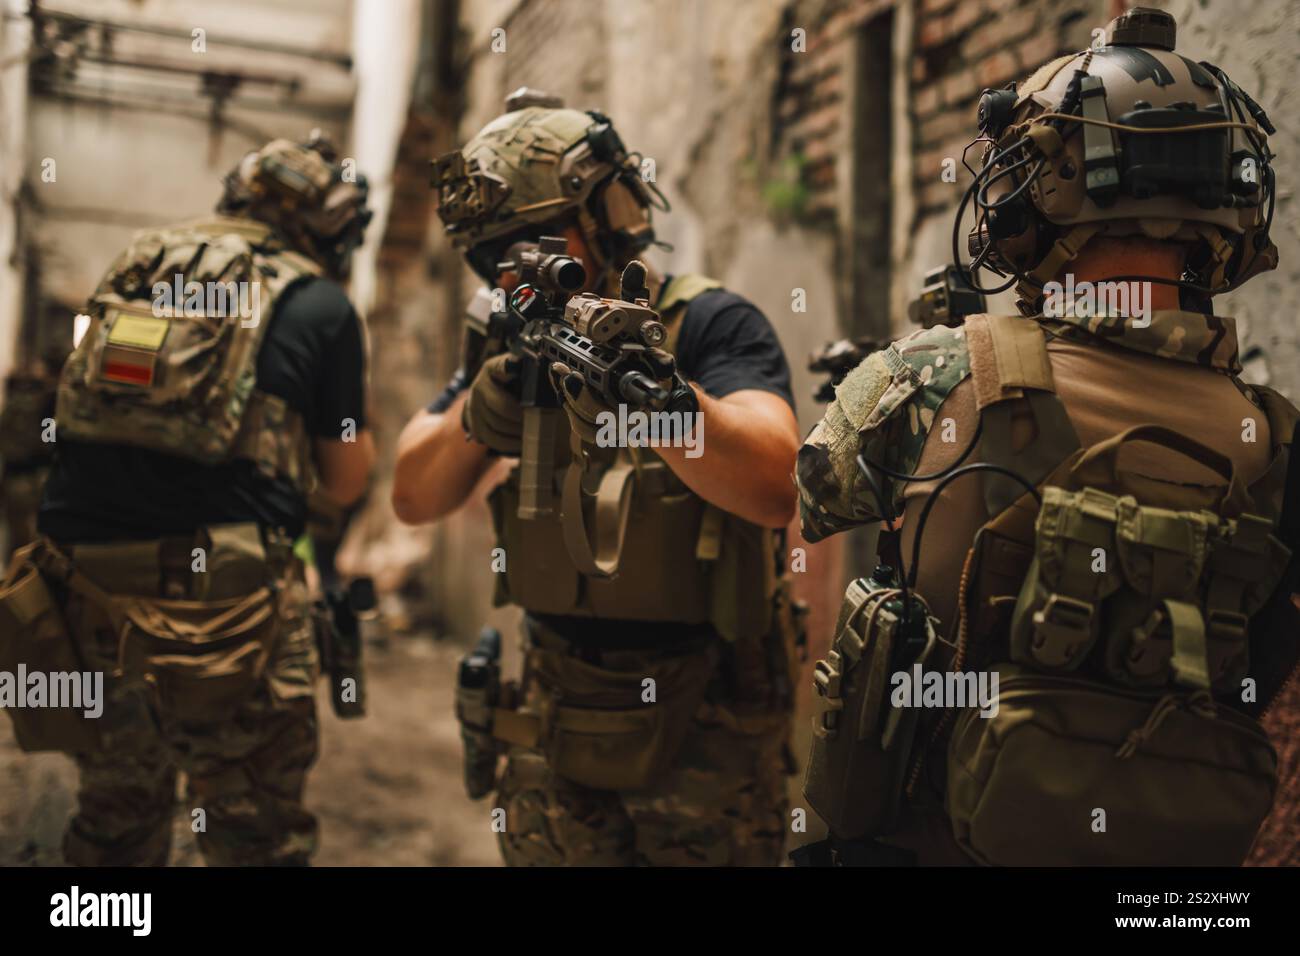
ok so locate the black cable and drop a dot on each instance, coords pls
(1011, 197)
(934, 496)
(887, 515)
(962, 270)
(908, 479)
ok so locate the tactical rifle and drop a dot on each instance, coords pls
(613, 346)
(836, 360)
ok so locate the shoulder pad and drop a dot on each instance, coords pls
(921, 370)
(905, 383)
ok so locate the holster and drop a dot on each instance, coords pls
(338, 637)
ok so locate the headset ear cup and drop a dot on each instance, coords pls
(1009, 219)
(1020, 252)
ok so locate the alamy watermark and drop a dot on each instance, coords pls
(1128, 300)
(77, 690)
(220, 299)
(960, 689)
(642, 429)
(75, 908)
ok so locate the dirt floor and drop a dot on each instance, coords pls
(388, 788)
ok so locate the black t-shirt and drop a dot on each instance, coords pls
(725, 345)
(312, 356)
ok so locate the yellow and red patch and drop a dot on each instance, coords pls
(130, 355)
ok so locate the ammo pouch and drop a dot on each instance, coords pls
(861, 744)
(34, 638)
(718, 568)
(595, 725)
(201, 658)
(1074, 772)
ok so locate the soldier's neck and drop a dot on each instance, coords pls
(1098, 262)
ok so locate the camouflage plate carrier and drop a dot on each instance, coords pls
(182, 379)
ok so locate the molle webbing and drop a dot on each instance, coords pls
(615, 493)
(682, 559)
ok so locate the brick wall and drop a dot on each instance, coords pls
(959, 48)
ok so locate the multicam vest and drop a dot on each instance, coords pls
(684, 560)
(172, 367)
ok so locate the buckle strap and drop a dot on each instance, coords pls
(1064, 629)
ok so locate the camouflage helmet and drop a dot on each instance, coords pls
(300, 189)
(1126, 138)
(537, 163)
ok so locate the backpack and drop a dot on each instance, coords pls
(169, 361)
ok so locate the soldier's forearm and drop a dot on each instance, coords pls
(436, 468)
(743, 457)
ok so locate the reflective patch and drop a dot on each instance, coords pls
(137, 331)
(131, 351)
(127, 366)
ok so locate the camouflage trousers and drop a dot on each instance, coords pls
(245, 773)
(722, 802)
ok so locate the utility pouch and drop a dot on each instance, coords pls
(1058, 615)
(861, 745)
(611, 729)
(202, 658)
(34, 639)
(1070, 772)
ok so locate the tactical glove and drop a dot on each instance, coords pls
(581, 404)
(492, 413)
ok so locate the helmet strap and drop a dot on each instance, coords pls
(1064, 250)
(1220, 253)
